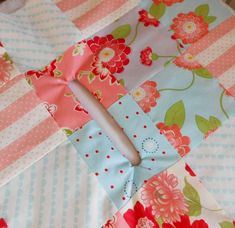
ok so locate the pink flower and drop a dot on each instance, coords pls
(189, 27)
(5, 70)
(167, 2)
(175, 138)
(187, 61)
(146, 56)
(148, 19)
(167, 202)
(110, 56)
(146, 95)
(140, 217)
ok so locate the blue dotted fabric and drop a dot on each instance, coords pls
(114, 172)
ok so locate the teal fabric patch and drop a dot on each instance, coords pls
(114, 172)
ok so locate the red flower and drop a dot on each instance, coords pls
(110, 56)
(3, 224)
(80, 108)
(146, 56)
(175, 138)
(48, 70)
(189, 27)
(140, 217)
(167, 2)
(146, 95)
(185, 223)
(148, 19)
(189, 170)
(187, 61)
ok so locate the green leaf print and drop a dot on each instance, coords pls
(193, 199)
(202, 72)
(209, 19)
(226, 224)
(122, 31)
(202, 10)
(158, 10)
(175, 114)
(205, 125)
(91, 77)
(68, 132)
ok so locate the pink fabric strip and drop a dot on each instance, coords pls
(105, 8)
(11, 83)
(17, 109)
(222, 63)
(65, 5)
(27, 142)
(212, 36)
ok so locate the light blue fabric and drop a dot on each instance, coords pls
(112, 169)
(36, 34)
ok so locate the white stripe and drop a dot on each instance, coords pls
(217, 49)
(31, 157)
(23, 125)
(14, 93)
(82, 9)
(95, 27)
(227, 79)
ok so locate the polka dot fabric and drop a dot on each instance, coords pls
(114, 171)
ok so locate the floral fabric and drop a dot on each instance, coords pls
(89, 63)
(174, 198)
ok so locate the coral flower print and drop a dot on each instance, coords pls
(110, 56)
(175, 138)
(140, 217)
(185, 223)
(187, 61)
(5, 70)
(146, 95)
(189, 27)
(167, 2)
(167, 202)
(148, 19)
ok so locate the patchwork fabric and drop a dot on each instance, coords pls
(27, 131)
(216, 52)
(92, 15)
(173, 195)
(174, 103)
(38, 27)
(114, 171)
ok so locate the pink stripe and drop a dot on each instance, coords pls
(17, 109)
(212, 36)
(65, 5)
(27, 142)
(105, 8)
(222, 63)
(10, 83)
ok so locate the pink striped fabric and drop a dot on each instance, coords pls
(26, 128)
(92, 15)
(216, 52)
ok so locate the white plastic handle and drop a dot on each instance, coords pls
(106, 122)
